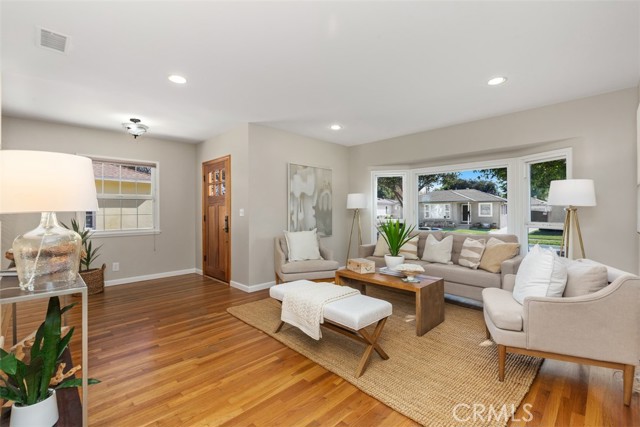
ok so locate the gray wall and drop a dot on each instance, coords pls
(236, 144)
(601, 130)
(259, 158)
(270, 152)
(171, 250)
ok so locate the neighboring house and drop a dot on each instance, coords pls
(125, 197)
(542, 212)
(388, 209)
(450, 208)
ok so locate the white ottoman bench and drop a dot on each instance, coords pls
(349, 316)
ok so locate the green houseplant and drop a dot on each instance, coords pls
(93, 277)
(395, 233)
(32, 374)
(89, 252)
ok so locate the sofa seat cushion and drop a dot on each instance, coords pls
(459, 274)
(310, 265)
(504, 311)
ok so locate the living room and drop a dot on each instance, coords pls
(596, 122)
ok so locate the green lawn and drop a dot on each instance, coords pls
(546, 237)
(540, 237)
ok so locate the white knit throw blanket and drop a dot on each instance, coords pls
(302, 307)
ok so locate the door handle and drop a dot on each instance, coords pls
(226, 223)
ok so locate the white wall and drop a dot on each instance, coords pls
(601, 130)
(171, 250)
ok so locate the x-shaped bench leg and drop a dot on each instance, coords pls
(372, 341)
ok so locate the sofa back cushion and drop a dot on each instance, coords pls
(471, 254)
(409, 250)
(423, 238)
(438, 251)
(496, 252)
(459, 238)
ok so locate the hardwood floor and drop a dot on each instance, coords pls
(169, 354)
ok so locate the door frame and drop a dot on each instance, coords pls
(203, 207)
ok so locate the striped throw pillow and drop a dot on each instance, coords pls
(410, 249)
(471, 253)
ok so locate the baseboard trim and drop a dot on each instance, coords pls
(199, 271)
(127, 280)
(252, 288)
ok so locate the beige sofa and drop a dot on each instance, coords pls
(595, 328)
(458, 280)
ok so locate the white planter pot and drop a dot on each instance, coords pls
(393, 261)
(42, 414)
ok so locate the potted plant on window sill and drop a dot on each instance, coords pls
(32, 372)
(93, 277)
(396, 234)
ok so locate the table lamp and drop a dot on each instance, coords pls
(355, 201)
(572, 193)
(47, 257)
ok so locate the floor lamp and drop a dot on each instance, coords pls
(572, 193)
(355, 201)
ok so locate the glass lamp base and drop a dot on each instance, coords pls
(47, 257)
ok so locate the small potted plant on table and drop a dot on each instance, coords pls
(396, 234)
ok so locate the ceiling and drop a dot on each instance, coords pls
(380, 69)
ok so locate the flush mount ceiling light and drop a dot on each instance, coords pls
(335, 126)
(177, 79)
(497, 81)
(135, 128)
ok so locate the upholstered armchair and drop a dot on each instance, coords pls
(601, 328)
(317, 269)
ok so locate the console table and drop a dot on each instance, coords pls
(10, 293)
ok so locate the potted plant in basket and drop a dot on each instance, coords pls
(32, 372)
(396, 234)
(93, 277)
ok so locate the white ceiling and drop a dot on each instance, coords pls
(381, 69)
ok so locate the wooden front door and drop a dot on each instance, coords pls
(216, 218)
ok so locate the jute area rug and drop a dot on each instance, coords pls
(436, 379)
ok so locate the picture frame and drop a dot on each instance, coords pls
(310, 199)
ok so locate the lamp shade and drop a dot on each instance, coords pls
(41, 181)
(572, 192)
(356, 201)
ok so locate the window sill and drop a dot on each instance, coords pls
(123, 233)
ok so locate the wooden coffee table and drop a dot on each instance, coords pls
(429, 293)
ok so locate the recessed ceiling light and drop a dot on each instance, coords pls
(497, 81)
(177, 79)
(336, 126)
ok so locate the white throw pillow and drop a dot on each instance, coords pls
(584, 278)
(438, 251)
(541, 274)
(382, 248)
(302, 245)
(471, 254)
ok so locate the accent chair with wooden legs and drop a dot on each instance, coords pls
(600, 328)
(316, 270)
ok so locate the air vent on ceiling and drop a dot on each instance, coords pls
(51, 40)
